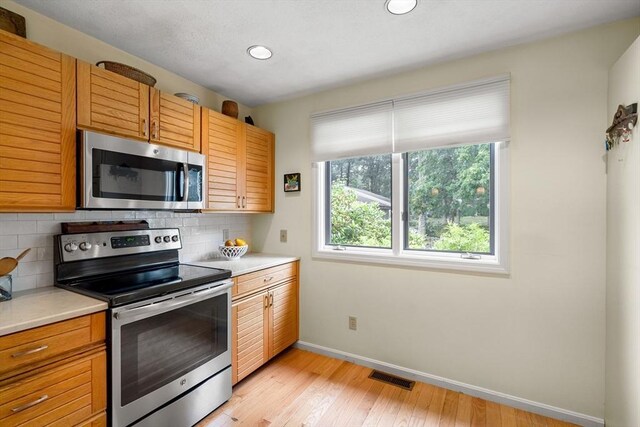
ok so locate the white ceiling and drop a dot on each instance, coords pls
(317, 44)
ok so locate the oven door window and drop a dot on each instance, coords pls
(130, 177)
(160, 349)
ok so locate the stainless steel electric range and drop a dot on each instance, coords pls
(169, 323)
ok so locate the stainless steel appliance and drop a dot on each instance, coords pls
(169, 323)
(117, 173)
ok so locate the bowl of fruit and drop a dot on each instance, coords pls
(233, 249)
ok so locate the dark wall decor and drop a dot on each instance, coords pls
(291, 182)
(623, 122)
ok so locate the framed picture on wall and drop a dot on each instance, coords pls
(291, 182)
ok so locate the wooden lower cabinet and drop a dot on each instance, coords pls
(264, 323)
(283, 317)
(251, 335)
(63, 390)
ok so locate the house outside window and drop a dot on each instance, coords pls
(419, 180)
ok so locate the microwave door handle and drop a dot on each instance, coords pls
(186, 183)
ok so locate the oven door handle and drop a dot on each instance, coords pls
(153, 309)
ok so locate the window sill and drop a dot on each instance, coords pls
(488, 265)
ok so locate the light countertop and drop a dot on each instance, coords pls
(37, 307)
(248, 263)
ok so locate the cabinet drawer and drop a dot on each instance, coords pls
(43, 343)
(248, 283)
(65, 395)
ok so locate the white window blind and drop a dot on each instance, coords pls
(472, 113)
(352, 132)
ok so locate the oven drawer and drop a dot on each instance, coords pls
(248, 283)
(64, 395)
(46, 342)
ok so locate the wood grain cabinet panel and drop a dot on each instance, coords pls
(37, 127)
(174, 121)
(64, 395)
(259, 165)
(22, 350)
(250, 349)
(262, 279)
(222, 143)
(283, 320)
(111, 103)
(264, 322)
(240, 164)
(55, 375)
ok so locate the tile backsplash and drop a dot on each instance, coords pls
(201, 235)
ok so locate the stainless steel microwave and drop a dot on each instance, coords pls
(117, 173)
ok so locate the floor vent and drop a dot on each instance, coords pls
(391, 379)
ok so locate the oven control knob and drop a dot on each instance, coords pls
(70, 247)
(167, 239)
(85, 246)
(158, 239)
(174, 238)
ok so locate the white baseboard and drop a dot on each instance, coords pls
(471, 390)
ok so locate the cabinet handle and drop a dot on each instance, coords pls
(33, 350)
(145, 128)
(156, 130)
(267, 279)
(266, 301)
(30, 404)
(238, 204)
(271, 300)
(244, 204)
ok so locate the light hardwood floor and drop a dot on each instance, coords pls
(299, 388)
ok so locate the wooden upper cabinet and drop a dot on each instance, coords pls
(240, 164)
(111, 103)
(222, 143)
(174, 121)
(37, 127)
(259, 164)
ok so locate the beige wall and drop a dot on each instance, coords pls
(538, 334)
(65, 39)
(622, 403)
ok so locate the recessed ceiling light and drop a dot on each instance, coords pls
(400, 7)
(259, 52)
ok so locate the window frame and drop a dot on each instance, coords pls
(397, 255)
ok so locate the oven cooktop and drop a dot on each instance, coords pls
(127, 287)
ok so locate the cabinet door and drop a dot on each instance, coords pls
(222, 143)
(250, 335)
(174, 121)
(111, 103)
(259, 189)
(283, 317)
(66, 394)
(37, 127)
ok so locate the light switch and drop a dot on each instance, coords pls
(283, 236)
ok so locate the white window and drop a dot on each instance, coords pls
(419, 181)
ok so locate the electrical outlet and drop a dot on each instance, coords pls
(353, 323)
(225, 234)
(283, 236)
